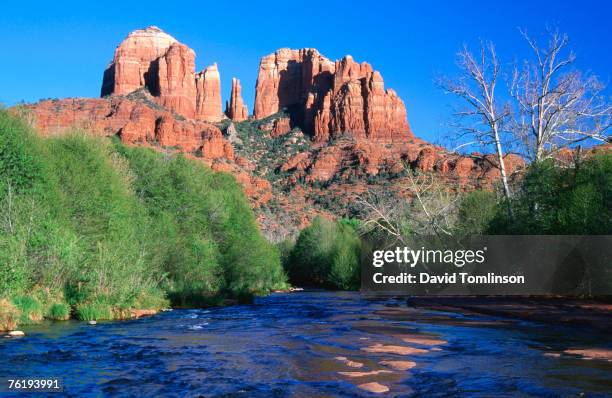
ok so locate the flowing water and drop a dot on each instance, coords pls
(296, 345)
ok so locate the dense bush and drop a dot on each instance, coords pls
(550, 200)
(326, 254)
(206, 229)
(561, 201)
(93, 228)
(475, 212)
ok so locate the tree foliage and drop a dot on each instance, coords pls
(104, 228)
(326, 254)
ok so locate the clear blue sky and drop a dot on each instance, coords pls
(60, 49)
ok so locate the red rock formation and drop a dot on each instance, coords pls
(281, 127)
(149, 58)
(134, 64)
(208, 97)
(299, 161)
(175, 79)
(426, 159)
(235, 108)
(286, 77)
(134, 121)
(328, 98)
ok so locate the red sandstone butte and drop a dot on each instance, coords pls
(235, 108)
(149, 58)
(134, 64)
(329, 98)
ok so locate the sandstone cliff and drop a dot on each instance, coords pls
(329, 98)
(151, 59)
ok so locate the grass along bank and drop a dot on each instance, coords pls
(92, 229)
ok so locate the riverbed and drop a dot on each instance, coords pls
(313, 344)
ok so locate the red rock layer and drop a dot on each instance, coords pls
(134, 122)
(328, 98)
(149, 58)
(347, 156)
(236, 109)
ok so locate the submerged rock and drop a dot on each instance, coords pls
(422, 340)
(394, 349)
(591, 353)
(348, 362)
(399, 365)
(364, 374)
(374, 387)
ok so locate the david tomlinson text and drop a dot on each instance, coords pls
(452, 278)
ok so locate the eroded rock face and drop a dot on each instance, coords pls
(135, 122)
(359, 130)
(327, 98)
(236, 108)
(134, 64)
(286, 77)
(176, 80)
(208, 95)
(280, 127)
(153, 60)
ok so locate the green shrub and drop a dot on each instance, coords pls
(93, 311)
(562, 201)
(30, 308)
(59, 312)
(20, 167)
(207, 233)
(326, 254)
(476, 210)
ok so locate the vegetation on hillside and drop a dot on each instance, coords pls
(92, 229)
(550, 199)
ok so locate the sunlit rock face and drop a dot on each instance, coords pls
(152, 59)
(236, 108)
(329, 98)
(134, 64)
(208, 95)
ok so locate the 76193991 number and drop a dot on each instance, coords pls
(49, 384)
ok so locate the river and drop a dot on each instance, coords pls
(311, 344)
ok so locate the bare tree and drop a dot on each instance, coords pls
(385, 214)
(430, 209)
(557, 107)
(484, 118)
